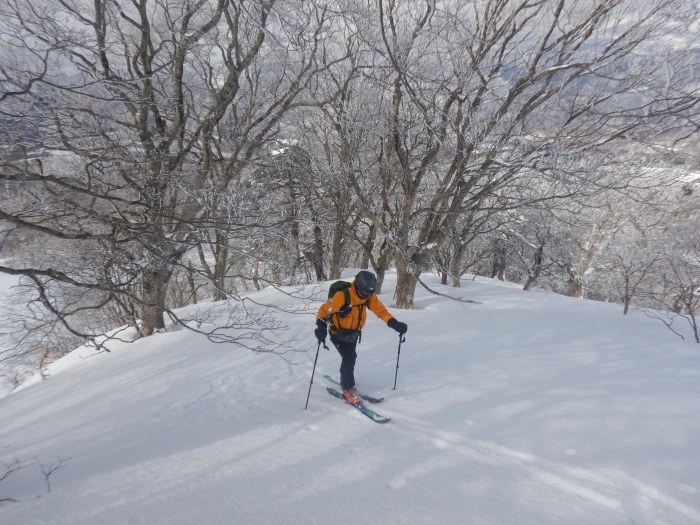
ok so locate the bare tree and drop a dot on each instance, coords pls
(10, 468)
(152, 106)
(488, 96)
(675, 290)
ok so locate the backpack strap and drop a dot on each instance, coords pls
(361, 306)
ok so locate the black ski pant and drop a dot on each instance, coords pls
(347, 365)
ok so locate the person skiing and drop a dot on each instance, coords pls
(345, 312)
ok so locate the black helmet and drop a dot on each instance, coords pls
(365, 283)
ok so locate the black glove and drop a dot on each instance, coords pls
(398, 326)
(321, 331)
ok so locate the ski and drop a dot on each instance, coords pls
(366, 411)
(367, 398)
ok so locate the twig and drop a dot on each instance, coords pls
(458, 299)
(48, 471)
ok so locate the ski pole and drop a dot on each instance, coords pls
(398, 355)
(313, 372)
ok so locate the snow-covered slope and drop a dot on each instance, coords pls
(7, 281)
(528, 408)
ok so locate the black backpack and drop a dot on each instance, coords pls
(346, 336)
(338, 286)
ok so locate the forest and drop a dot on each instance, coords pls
(160, 153)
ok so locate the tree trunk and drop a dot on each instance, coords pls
(220, 265)
(154, 287)
(318, 254)
(456, 264)
(336, 252)
(193, 287)
(535, 270)
(574, 282)
(628, 296)
(368, 246)
(498, 264)
(381, 273)
(405, 285)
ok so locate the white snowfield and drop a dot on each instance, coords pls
(527, 409)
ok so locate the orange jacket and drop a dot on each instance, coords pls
(355, 320)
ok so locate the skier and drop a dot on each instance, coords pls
(345, 312)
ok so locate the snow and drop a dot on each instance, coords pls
(7, 281)
(528, 409)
